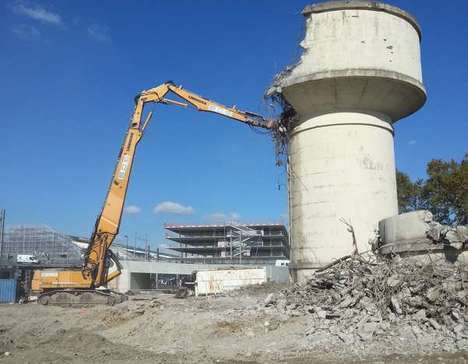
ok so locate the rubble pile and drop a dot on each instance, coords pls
(456, 236)
(357, 299)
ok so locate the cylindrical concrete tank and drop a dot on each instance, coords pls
(359, 73)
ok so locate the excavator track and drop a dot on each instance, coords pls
(79, 297)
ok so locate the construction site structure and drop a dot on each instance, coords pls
(230, 242)
(44, 245)
(360, 72)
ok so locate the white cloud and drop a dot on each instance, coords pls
(132, 209)
(36, 12)
(220, 217)
(412, 142)
(170, 207)
(99, 33)
(26, 32)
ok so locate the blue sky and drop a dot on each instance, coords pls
(70, 70)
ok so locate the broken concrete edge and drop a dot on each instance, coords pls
(362, 5)
(419, 246)
(416, 232)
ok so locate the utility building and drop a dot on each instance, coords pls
(230, 243)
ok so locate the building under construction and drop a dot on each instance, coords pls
(230, 243)
(42, 244)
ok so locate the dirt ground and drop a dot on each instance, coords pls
(162, 329)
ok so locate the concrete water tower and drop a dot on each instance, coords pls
(359, 73)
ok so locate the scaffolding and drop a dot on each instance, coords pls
(42, 242)
(230, 242)
(242, 238)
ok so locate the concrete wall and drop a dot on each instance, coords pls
(140, 280)
(360, 38)
(123, 283)
(136, 274)
(345, 170)
(222, 280)
(277, 274)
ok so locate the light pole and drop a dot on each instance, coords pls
(126, 246)
(2, 229)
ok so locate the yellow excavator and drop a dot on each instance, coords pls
(89, 285)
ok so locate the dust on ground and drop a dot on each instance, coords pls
(266, 324)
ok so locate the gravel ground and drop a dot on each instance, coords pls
(242, 327)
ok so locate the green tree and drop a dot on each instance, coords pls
(409, 193)
(444, 192)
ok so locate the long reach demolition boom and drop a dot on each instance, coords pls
(96, 271)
